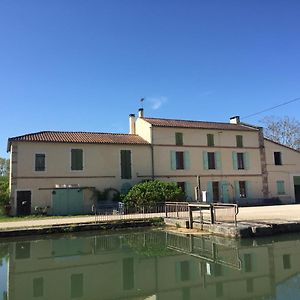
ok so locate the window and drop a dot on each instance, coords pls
(126, 164)
(211, 160)
(215, 188)
(40, 162)
(277, 158)
(38, 287)
(179, 138)
(239, 141)
(180, 160)
(210, 140)
(240, 161)
(182, 186)
(76, 159)
(242, 187)
(76, 285)
(280, 187)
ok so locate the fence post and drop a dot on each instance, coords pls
(190, 217)
(166, 210)
(212, 218)
(177, 214)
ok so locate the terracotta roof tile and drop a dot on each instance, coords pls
(80, 137)
(197, 124)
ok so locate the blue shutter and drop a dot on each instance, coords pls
(173, 160)
(225, 192)
(188, 190)
(248, 189)
(186, 160)
(246, 161)
(209, 194)
(280, 187)
(205, 160)
(218, 160)
(234, 161)
(236, 190)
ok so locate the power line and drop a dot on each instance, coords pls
(273, 107)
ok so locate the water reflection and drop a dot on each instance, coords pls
(150, 265)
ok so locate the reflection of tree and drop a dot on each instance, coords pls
(150, 244)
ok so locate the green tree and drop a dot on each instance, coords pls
(283, 130)
(4, 166)
(4, 191)
(151, 192)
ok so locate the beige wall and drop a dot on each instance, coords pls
(101, 168)
(143, 129)
(290, 167)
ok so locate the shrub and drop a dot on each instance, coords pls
(4, 192)
(151, 192)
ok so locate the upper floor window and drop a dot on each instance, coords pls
(277, 158)
(211, 160)
(40, 162)
(240, 160)
(179, 138)
(180, 160)
(239, 141)
(126, 164)
(76, 159)
(210, 140)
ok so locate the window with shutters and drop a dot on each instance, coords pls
(76, 159)
(181, 185)
(40, 162)
(240, 161)
(179, 138)
(211, 160)
(126, 164)
(242, 187)
(239, 141)
(210, 140)
(277, 158)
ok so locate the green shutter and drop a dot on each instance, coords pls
(173, 160)
(234, 161)
(225, 192)
(209, 194)
(186, 160)
(205, 160)
(218, 160)
(236, 190)
(76, 159)
(246, 160)
(179, 138)
(280, 187)
(248, 189)
(239, 141)
(125, 164)
(188, 190)
(210, 140)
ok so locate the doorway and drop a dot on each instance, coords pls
(297, 188)
(23, 203)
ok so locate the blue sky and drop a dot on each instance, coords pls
(83, 65)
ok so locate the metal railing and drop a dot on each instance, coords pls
(225, 212)
(177, 210)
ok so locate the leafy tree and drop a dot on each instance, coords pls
(283, 130)
(4, 166)
(151, 192)
(4, 191)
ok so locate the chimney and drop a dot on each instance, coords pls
(141, 113)
(132, 123)
(234, 120)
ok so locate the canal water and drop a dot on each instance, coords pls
(152, 265)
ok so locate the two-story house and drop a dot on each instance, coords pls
(231, 162)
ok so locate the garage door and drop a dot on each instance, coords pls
(67, 202)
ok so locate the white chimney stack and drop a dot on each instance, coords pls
(132, 123)
(141, 113)
(234, 120)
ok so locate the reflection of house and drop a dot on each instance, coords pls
(233, 160)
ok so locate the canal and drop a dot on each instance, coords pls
(153, 265)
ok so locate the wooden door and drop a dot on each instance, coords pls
(23, 203)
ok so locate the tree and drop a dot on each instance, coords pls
(152, 192)
(4, 166)
(283, 130)
(4, 191)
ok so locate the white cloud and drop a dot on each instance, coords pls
(157, 102)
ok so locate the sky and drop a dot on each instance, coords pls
(84, 65)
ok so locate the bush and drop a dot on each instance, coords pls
(152, 192)
(4, 192)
